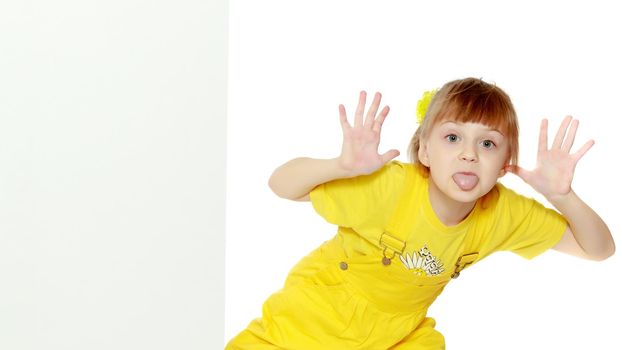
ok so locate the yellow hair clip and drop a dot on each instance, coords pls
(422, 105)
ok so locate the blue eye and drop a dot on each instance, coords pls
(488, 144)
(452, 138)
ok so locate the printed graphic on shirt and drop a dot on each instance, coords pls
(423, 263)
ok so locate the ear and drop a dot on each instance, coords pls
(502, 172)
(423, 153)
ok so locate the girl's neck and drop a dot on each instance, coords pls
(450, 212)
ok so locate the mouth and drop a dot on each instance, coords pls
(466, 181)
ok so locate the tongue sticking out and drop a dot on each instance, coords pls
(466, 181)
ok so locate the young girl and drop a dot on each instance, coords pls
(406, 229)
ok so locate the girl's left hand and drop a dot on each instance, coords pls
(554, 170)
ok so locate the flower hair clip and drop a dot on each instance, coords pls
(422, 105)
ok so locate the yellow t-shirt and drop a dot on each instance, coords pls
(362, 207)
(342, 296)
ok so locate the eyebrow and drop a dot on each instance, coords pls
(488, 129)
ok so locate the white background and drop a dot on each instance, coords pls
(292, 63)
(112, 120)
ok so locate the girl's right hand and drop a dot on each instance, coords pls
(359, 153)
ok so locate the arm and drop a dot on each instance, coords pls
(587, 234)
(359, 155)
(296, 178)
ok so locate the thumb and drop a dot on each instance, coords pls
(518, 171)
(389, 155)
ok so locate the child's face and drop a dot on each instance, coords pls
(465, 159)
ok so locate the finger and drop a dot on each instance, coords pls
(570, 137)
(557, 143)
(544, 142)
(581, 152)
(358, 116)
(390, 155)
(383, 114)
(343, 118)
(373, 109)
(518, 171)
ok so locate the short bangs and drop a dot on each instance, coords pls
(477, 103)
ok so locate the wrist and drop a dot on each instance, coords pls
(340, 170)
(561, 201)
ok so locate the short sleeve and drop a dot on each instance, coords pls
(533, 228)
(360, 200)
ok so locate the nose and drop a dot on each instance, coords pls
(468, 154)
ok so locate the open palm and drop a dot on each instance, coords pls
(555, 166)
(359, 152)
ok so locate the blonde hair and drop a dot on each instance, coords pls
(469, 100)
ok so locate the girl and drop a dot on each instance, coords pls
(406, 229)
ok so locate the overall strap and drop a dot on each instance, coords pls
(469, 255)
(470, 252)
(392, 241)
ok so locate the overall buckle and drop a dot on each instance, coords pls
(391, 243)
(463, 262)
